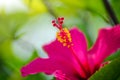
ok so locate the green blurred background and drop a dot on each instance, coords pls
(25, 25)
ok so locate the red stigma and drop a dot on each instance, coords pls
(58, 23)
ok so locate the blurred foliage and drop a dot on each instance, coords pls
(35, 6)
(11, 23)
(109, 72)
(116, 7)
(88, 15)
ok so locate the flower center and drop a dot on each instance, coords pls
(63, 35)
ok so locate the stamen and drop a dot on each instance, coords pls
(63, 35)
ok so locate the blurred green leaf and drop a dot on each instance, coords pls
(113, 56)
(4, 71)
(11, 23)
(109, 72)
(39, 76)
(116, 7)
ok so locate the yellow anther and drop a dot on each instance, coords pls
(64, 37)
(64, 44)
(61, 41)
(70, 40)
(64, 40)
(66, 30)
(68, 46)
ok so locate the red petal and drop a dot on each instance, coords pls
(49, 66)
(108, 42)
(57, 50)
(80, 47)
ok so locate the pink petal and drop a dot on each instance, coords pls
(108, 42)
(49, 66)
(57, 50)
(80, 47)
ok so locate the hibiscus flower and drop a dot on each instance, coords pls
(69, 58)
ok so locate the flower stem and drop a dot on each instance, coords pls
(110, 12)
